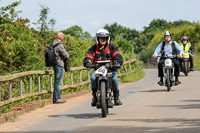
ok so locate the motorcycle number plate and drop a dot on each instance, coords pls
(186, 55)
(101, 71)
(168, 62)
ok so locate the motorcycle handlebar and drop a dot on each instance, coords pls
(165, 57)
(110, 66)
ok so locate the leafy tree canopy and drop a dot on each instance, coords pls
(118, 30)
(77, 32)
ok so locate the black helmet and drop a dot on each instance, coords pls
(102, 33)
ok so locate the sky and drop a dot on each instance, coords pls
(92, 15)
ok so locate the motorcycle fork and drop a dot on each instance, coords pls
(98, 84)
(171, 75)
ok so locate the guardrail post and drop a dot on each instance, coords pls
(125, 68)
(51, 85)
(39, 89)
(80, 75)
(10, 89)
(71, 78)
(80, 78)
(130, 66)
(88, 72)
(20, 84)
(30, 84)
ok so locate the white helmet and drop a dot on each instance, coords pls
(167, 33)
(102, 33)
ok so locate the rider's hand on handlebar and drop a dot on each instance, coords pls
(117, 65)
(180, 56)
(155, 57)
(88, 65)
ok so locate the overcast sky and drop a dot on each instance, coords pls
(92, 15)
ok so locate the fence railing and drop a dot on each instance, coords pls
(10, 79)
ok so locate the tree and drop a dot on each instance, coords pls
(124, 32)
(43, 21)
(77, 32)
(8, 13)
(157, 25)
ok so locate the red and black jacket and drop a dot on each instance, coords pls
(109, 52)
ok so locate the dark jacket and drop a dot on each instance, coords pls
(109, 52)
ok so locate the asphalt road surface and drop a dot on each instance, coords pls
(147, 108)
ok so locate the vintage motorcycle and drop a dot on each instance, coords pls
(168, 70)
(104, 93)
(185, 65)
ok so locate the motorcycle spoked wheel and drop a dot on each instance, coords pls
(104, 105)
(186, 68)
(167, 82)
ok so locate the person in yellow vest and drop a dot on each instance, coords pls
(187, 47)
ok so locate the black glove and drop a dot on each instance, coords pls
(117, 65)
(88, 65)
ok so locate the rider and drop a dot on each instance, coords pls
(187, 47)
(104, 50)
(166, 49)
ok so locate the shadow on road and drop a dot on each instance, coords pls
(79, 116)
(181, 122)
(155, 90)
(127, 129)
(196, 100)
(187, 106)
(133, 129)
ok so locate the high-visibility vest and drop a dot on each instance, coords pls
(187, 47)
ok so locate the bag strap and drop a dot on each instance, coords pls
(174, 51)
(53, 46)
(56, 44)
(167, 46)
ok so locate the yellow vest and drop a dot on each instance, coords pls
(187, 47)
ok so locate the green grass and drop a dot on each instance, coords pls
(197, 61)
(133, 77)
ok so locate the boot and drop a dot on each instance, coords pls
(177, 81)
(94, 98)
(191, 69)
(116, 97)
(161, 81)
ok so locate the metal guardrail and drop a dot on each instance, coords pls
(20, 76)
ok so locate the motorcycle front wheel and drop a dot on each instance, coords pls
(186, 68)
(104, 107)
(168, 80)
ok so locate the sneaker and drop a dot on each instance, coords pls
(160, 83)
(59, 101)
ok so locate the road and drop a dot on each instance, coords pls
(147, 108)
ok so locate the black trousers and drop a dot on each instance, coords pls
(191, 62)
(160, 67)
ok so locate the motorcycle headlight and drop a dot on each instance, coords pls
(107, 65)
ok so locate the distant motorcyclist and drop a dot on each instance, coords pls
(187, 47)
(104, 50)
(169, 48)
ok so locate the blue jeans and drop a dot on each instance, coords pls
(58, 79)
(115, 82)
